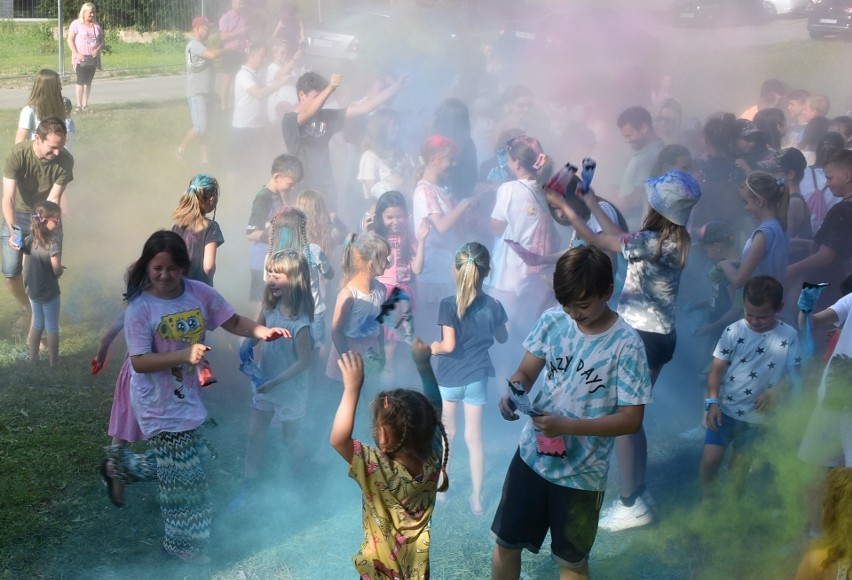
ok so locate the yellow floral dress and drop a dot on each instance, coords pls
(397, 509)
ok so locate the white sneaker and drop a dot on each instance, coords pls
(620, 517)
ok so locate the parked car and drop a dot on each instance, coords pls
(721, 12)
(830, 18)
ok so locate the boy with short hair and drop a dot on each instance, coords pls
(595, 387)
(752, 358)
(286, 173)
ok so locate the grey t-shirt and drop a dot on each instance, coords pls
(41, 283)
(200, 75)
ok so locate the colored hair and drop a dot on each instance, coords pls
(412, 419)
(289, 231)
(46, 95)
(52, 125)
(528, 153)
(38, 228)
(188, 214)
(837, 515)
(318, 227)
(160, 241)
(370, 247)
(288, 166)
(387, 200)
(668, 230)
(433, 146)
(771, 189)
(296, 295)
(472, 266)
(760, 290)
(581, 273)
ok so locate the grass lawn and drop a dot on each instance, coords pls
(55, 520)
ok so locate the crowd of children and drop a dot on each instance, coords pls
(585, 370)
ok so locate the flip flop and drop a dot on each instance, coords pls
(111, 485)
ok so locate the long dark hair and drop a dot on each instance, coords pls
(388, 200)
(160, 241)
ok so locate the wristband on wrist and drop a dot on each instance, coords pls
(708, 402)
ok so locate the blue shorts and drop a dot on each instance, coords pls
(199, 110)
(12, 258)
(473, 394)
(46, 314)
(742, 434)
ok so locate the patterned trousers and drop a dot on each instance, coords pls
(174, 460)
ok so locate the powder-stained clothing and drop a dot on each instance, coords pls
(650, 289)
(757, 361)
(396, 512)
(291, 396)
(170, 400)
(585, 377)
(774, 261)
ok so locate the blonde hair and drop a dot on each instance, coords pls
(86, 7)
(297, 293)
(771, 189)
(412, 419)
(189, 213)
(472, 266)
(318, 227)
(668, 230)
(38, 228)
(46, 95)
(369, 247)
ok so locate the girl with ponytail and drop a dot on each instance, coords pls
(202, 235)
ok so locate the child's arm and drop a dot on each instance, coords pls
(342, 308)
(421, 355)
(501, 334)
(56, 265)
(713, 416)
(420, 252)
(527, 373)
(242, 326)
(312, 107)
(209, 261)
(303, 361)
(352, 369)
(819, 320)
(444, 222)
(811, 566)
(823, 257)
(106, 340)
(626, 419)
(154, 362)
(606, 242)
(373, 102)
(447, 344)
(739, 276)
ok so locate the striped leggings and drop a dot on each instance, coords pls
(174, 461)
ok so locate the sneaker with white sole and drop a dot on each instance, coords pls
(649, 501)
(620, 517)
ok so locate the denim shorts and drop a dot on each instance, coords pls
(46, 314)
(12, 258)
(473, 394)
(743, 435)
(199, 110)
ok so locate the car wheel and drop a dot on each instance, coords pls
(816, 35)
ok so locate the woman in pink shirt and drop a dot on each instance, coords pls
(86, 40)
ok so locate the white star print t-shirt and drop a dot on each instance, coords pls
(756, 361)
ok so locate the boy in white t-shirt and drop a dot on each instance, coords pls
(754, 356)
(595, 388)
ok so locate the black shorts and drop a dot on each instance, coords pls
(659, 348)
(530, 505)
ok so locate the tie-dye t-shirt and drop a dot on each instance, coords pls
(650, 289)
(585, 377)
(170, 400)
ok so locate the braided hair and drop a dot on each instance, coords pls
(288, 231)
(412, 420)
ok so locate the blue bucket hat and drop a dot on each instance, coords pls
(673, 195)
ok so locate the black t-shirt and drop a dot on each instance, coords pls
(309, 142)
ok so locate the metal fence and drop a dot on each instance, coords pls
(142, 15)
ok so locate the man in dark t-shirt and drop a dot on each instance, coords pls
(308, 129)
(33, 171)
